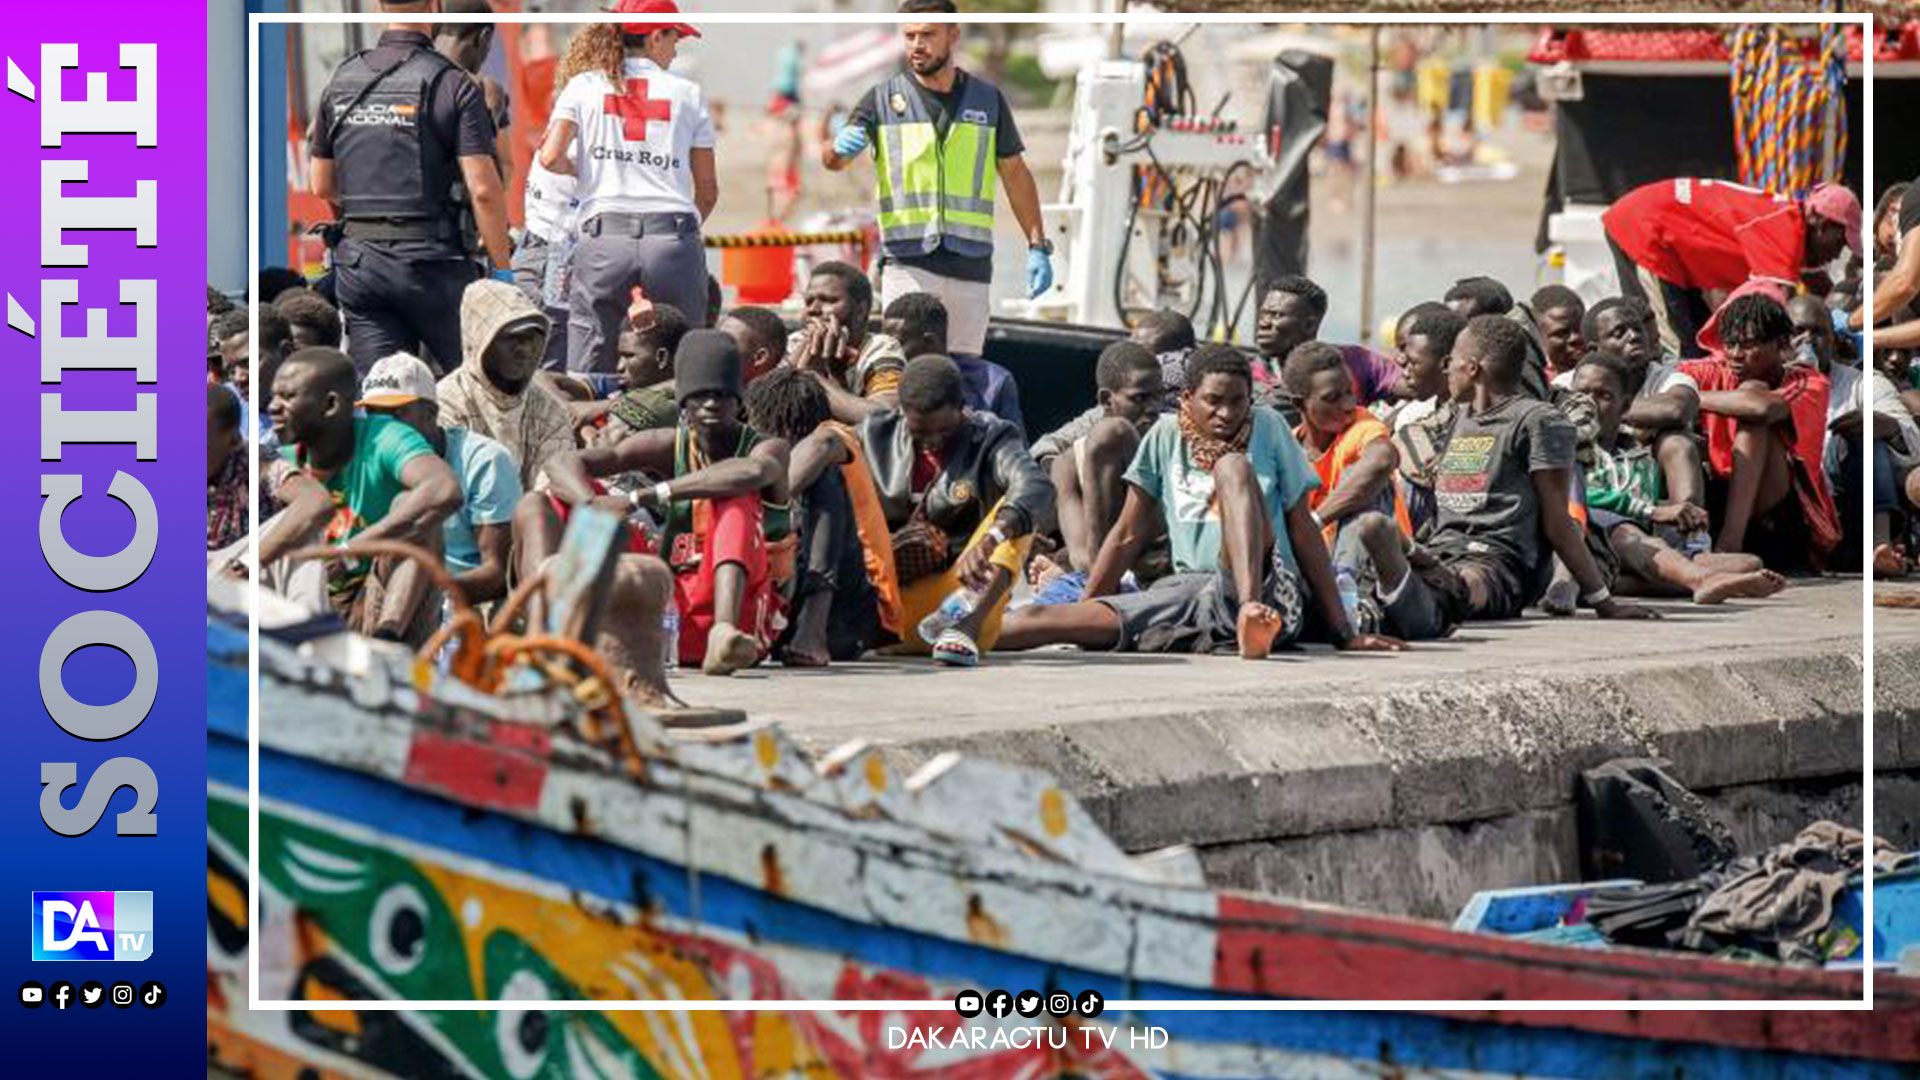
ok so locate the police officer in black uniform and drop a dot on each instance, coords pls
(397, 129)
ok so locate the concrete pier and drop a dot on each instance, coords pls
(1405, 782)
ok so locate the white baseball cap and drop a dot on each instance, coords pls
(400, 379)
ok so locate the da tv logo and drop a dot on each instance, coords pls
(92, 925)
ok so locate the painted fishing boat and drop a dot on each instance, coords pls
(422, 840)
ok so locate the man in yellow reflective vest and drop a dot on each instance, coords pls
(935, 130)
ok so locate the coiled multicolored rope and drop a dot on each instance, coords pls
(1784, 103)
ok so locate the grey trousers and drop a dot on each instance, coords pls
(661, 253)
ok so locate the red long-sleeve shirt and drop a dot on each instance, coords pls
(1709, 234)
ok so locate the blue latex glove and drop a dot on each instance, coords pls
(851, 141)
(1841, 328)
(1039, 273)
(503, 275)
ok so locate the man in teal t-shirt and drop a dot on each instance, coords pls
(1229, 482)
(478, 538)
(386, 483)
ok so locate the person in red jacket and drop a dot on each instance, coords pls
(1684, 244)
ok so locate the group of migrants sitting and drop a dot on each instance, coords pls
(813, 496)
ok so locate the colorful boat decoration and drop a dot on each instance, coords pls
(421, 840)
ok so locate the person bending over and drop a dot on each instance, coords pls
(1230, 485)
(723, 498)
(1646, 531)
(1501, 489)
(962, 498)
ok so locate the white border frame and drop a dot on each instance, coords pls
(254, 20)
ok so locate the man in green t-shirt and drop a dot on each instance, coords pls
(386, 483)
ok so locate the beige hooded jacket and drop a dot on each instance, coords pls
(533, 425)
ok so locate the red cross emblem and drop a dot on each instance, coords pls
(637, 110)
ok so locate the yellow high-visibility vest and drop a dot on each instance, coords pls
(935, 192)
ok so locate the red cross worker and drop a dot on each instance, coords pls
(640, 140)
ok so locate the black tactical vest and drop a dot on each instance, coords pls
(388, 159)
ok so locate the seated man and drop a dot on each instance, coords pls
(1423, 422)
(1089, 469)
(385, 483)
(1843, 457)
(761, 337)
(845, 592)
(1229, 483)
(1290, 315)
(1350, 450)
(723, 495)
(1471, 297)
(493, 392)
(1559, 311)
(1646, 532)
(1502, 493)
(859, 371)
(644, 400)
(475, 540)
(233, 336)
(918, 321)
(293, 508)
(962, 499)
(310, 319)
(1896, 459)
(1765, 421)
(1663, 401)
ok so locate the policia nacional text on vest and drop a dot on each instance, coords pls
(936, 192)
(397, 179)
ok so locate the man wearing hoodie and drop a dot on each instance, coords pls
(493, 392)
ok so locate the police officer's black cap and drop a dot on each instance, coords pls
(707, 362)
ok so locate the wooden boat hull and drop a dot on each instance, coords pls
(427, 844)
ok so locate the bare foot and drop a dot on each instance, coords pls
(797, 655)
(656, 696)
(1721, 587)
(1889, 562)
(1728, 562)
(729, 649)
(1256, 628)
(1562, 598)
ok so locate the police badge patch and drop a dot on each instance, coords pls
(962, 491)
(898, 101)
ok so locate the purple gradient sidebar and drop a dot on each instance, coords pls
(169, 1039)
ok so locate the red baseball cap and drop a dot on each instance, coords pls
(652, 7)
(1836, 202)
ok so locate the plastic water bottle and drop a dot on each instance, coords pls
(952, 611)
(1698, 543)
(1349, 587)
(670, 632)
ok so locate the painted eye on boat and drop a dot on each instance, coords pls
(398, 930)
(522, 1035)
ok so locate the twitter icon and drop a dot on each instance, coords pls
(1028, 1003)
(92, 994)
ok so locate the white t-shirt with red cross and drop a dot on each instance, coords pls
(631, 149)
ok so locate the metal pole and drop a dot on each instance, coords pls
(1117, 32)
(1370, 182)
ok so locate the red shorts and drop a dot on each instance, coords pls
(734, 535)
